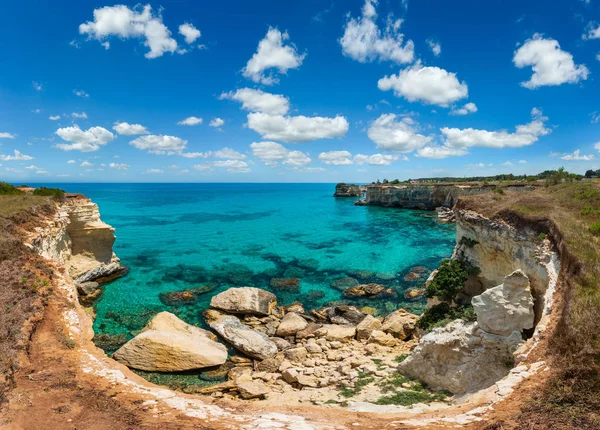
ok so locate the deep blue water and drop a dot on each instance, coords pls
(182, 236)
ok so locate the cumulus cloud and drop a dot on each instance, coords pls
(54, 117)
(273, 153)
(127, 129)
(81, 93)
(272, 53)
(83, 140)
(430, 85)
(191, 120)
(593, 31)
(435, 47)
(189, 32)
(377, 159)
(123, 22)
(120, 166)
(79, 115)
(438, 152)
(86, 164)
(5, 135)
(577, 156)
(465, 110)
(17, 156)
(293, 129)
(364, 41)
(336, 158)
(32, 167)
(228, 153)
(550, 64)
(259, 101)
(234, 166)
(391, 133)
(154, 171)
(195, 154)
(159, 144)
(216, 122)
(71, 162)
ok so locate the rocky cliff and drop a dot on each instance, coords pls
(426, 197)
(347, 190)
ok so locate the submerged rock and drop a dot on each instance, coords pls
(245, 300)
(174, 298)
(365, 290)
(251, 342)
(343, 284)
(291, 285)
(168, 344)
(414, 294)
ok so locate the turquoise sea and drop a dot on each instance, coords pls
(209, 237)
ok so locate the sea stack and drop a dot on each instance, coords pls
(347, 190)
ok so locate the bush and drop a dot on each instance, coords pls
(8, 189)
(441, 314)
(450, 279)
(595, 228)
(498, 190)
(55, 193)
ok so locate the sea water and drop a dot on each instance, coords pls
(210, 237)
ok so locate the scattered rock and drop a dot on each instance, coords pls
(366, 327)
(252, 389)
(333, 332)
(381, 338)
(291, 324)
(309, 331)
(307, 381)
(282, 344)
(364, 290)
(268, 365)
(400, 324)
(298, 354)
(249, 341)
(245, 300)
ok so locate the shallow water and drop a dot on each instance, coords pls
(216, 236)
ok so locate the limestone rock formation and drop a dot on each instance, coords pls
(168, 344)
(400, 324)
(507, 307)
(243, 338)
(333, 332)
(347, 190)
(245, 300)
(366, 327)
(291, 324)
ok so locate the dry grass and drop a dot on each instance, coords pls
(571, 397)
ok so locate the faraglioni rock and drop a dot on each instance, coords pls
(168, 344)
(243, 338)
(245, 300)
(347, 190)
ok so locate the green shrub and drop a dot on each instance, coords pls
(595, 228)
(55, 193)
(498, 190)
(441, 314)
(450, 279)
(542, 236)
(8, 189)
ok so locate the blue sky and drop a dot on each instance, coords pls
(315, 91)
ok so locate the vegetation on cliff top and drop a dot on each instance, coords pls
(567, 212)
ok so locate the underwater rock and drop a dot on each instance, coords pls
(168, 344)
(245, 300)
(183, 297)
(362, 274)
(343, 284)
(413, 294)
(251, 342)
(291, 285)
(109, 342)
(294, 272)
(364, 290)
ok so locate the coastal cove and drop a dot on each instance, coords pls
(215, 236)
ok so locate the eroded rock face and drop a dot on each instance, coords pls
(243, 338)
(168, 344)
(347, 190)
(507, 307)
(245, 300)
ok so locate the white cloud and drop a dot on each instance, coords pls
(85, 141)
(507, 164)
(364, 41)
(593, 31)
(191, 120)
(597, 146)
(80, 93)
(391, 134)
(273, 153)
(195, 154)
(81, 115)
(259, 101)
(336, 158)
(36, 111)
(576, 156)
(189, 32)
(37, 86)
(376, 159)
(435, 47)
(228, 153)
(127, 129)
(120, 166)
(42, 172)
(465, 110)
(216, 122)
(71, 162)
(550, 64)
(154, 171)
(522, 161)
(86, 164)
(126, 23)
(272, 54)
(159, 144)
(438, 152)
(202, 167)
(5, 135)
(54, 117)
(595, 117)
(300, 128)
(430, 85)
(32, 167)
(476, 166)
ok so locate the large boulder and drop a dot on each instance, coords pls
(507, 307)
(245, 300)
(168, 344)
(400, 324)
(251, 342)
(366, 327)
(291, 324)
(334, 332)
